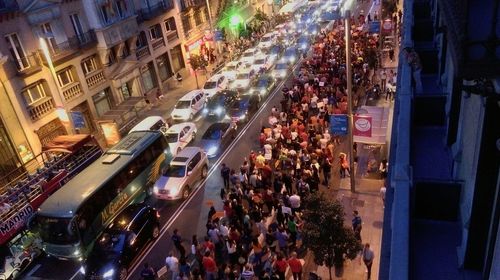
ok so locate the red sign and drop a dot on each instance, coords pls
(362, 126)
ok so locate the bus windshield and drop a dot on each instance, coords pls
(59, 231)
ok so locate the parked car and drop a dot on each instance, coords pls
(180, 135)
(231, 69)
(245, 106)
(267, 40)
(263, 85)
(218, 104)
(248, 57)
(189, 105)
(179, 179)
(121, 242)
(218, 135)
(243, 80)
(215, 84)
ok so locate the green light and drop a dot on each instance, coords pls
(235, 20)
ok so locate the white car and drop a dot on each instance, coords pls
(243, 79)
(267, 40)
(231, 69)
(248, 57)
(261, 62)
(180, 135)
(215, 84)
(280, 69)
(189, 105)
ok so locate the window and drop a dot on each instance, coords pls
(17, 51)
(155, 32)
(142, 41)
(107, 13)
(77, 25)
(112, 56)
(148, 77)
(34, 93)
(65, 77)
(186, 24)
(164, 68)
(89, 65)
(194, 161)
(207, 15)
(197, 17)
(170, 24)
(121, 6)
(49, 36)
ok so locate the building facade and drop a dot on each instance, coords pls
(443, 211)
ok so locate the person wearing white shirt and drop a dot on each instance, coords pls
(268, 151)
(172, 265)
(294, 201)
(224, 231)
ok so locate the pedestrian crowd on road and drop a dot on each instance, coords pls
(257, 233)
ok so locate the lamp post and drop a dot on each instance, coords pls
(349, 95)
(62, 114)
(271, 5)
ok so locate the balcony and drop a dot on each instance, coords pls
(28, 64)
(172, 36)
(71, 47)
(155, 10)
(96, 78)
(190, 4)
(7, 6)
(197, 31)
(71, 91)
(158, 43)
(41, 108)
(142, 52)
(117, 32)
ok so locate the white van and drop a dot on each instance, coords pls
(154, 123)
(189, 105)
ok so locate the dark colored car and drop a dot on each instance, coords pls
(121, 242)
(217, 105)
(263, 85)
(291, 55)
(274, 53)
(242, 108)
(217, 136)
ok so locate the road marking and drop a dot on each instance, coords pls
(33, 270)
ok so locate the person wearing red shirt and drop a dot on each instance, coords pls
(208, 246)
(210, 267)
(295, 266)
(280, 266)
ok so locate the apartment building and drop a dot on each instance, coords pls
(443, 207)
(68, 66)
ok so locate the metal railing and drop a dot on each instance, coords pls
(95, 79)
(72, 91)
(186, 4)
(73, 44)
(172, 36)
(142, 52)
(158, 43)
(44, 107)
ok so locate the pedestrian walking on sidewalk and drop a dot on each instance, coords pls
(295, 266)
(357, 225)
(383, 80)
(383, 190)
(177, 240)
(178, 77)
(172, 265)
(368, 256)
(225, 173)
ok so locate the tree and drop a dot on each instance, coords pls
(197, 62)
(325, 234)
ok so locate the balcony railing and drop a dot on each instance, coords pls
(95, 79)
(187, 4)
(72, 45)
(72, 91)
(28, 64)
(142, 52)
(41, 108)
(172, 36)
(158, 43)
(155, 10)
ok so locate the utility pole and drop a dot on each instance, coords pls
(349, 96)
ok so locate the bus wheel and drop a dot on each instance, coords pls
(185, 192)
(123, 273)
(204, 172)
(156, 232)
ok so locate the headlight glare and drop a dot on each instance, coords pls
(109, 273)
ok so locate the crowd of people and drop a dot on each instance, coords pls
(257, 234)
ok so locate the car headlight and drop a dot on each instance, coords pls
(82, 270)
(212, 150)
(156, 190)
(242, 117)
(218, 110)
(205, 111)
(263, 91)
(76, 252)
(109, 273)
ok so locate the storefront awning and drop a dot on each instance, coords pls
(379, 120)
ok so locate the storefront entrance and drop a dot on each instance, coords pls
(177, 58)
